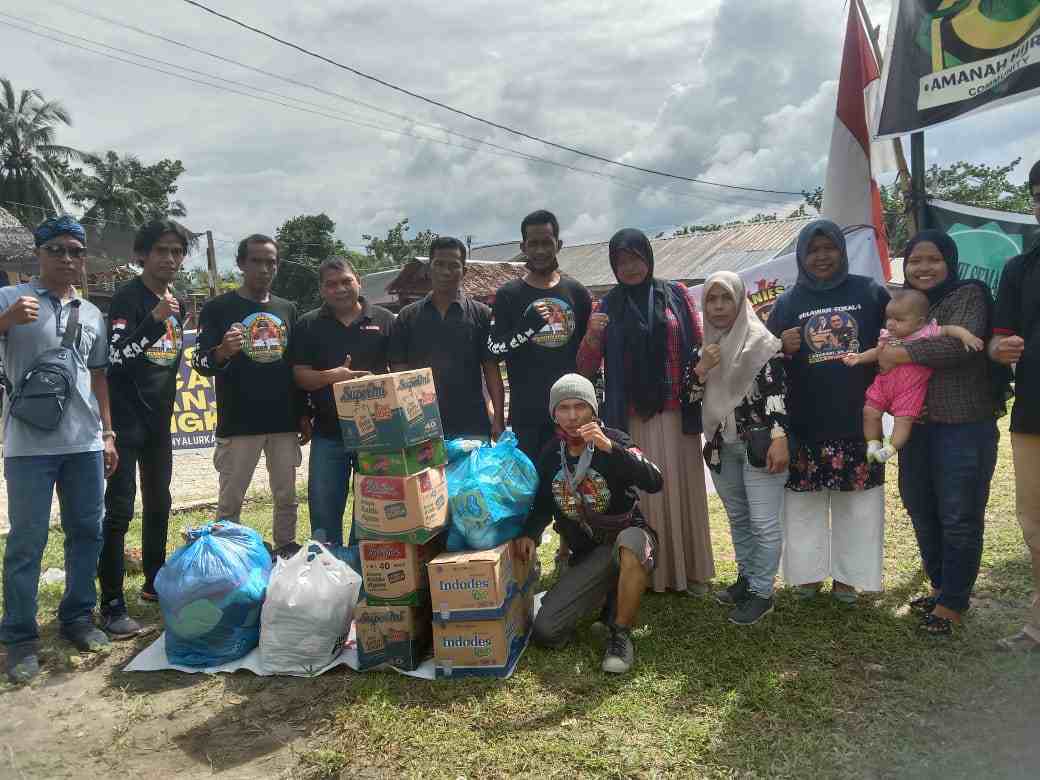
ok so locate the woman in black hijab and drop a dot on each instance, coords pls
(643, 332)
(946, 467)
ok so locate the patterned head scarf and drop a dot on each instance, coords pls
(59, 226)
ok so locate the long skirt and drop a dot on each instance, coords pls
(679, 513)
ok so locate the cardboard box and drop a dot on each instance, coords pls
(405, 462)
(395, 572)
(388, 411)
(476, 585)
(395, 635)
(488, 648)
(407, 509)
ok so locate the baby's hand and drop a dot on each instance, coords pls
(973, 344)
(851, 359)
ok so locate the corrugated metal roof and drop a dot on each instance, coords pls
(690, 257)
(373, 286)
(496, 253)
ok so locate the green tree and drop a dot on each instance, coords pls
(30, 160)
(397, 248)
(124, 191)
(306, 241)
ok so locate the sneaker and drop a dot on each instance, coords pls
(286, 551)
(22, 663)
(86, 637)
(1019, 643)
(734, 594)
(620, 655)
(751, 610)
(116, 621)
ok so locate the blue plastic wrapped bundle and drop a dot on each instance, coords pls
(490, 491)
(211, 591)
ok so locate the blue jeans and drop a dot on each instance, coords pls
(328, 479)
(944, 476)
(31, 480)
(753, 499)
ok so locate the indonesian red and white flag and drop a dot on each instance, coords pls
(851, 195)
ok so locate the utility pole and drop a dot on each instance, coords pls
(211, 261)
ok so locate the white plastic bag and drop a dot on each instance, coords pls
(309, 606)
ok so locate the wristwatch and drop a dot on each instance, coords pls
(106, 434)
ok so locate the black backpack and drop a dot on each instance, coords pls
(47, 386)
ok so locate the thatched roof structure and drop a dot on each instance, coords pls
(16, 244)
(481, 281)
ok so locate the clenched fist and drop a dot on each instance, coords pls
(167, 307)
(24, 310)
(792, 340)
(598, 323)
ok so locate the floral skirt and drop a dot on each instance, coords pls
(834, 464)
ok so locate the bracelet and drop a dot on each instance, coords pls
(777, 433)
(107, 434)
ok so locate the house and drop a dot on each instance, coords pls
(397, 288)
(16, 249)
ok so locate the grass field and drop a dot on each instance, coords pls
(817, 690)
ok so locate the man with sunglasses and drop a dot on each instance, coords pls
(146, 323)
(75, 457)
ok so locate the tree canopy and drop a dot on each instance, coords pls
(306, 241)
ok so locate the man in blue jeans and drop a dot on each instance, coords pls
(76, 457)
(345, 338)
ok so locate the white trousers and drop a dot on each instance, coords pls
(831, 534)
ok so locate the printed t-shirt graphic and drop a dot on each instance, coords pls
(830, 336)
(594, 492)
(265, 338)
(558, 330)
(165, 351)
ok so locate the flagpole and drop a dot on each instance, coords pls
(917, 188)
(908, 186)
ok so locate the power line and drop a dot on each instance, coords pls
(322, 111)
(468, 115)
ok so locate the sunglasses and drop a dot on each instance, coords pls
(60, 250)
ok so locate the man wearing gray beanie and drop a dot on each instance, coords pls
(587, 485)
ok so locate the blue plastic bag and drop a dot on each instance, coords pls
(211, 591)
(490, 492)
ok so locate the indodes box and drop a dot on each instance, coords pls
(408, 509)
(405, 462)
(395, 572)
(483, 647)
(395, 635)
(475, 585)
(388, 411)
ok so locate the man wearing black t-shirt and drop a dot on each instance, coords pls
(538, 323)
(345, 338)
(447, 331)
(146, 325)
(243, 341)
(1016, 341)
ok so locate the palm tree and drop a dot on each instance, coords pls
(112, 191)
(31, 164)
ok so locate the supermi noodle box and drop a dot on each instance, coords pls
(406, 509)
(388, 411)
(395, 635)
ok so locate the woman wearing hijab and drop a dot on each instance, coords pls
(946, 467)
(644, 332)
(741, 384)
(834, 503)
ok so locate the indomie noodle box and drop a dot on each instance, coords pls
(388, 411)
(395, 572)
(484, 647)
(407, 509)
(476, 585)
(404, 462)
(395, 635)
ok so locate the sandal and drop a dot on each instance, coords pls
(925, 604)
(937, 626)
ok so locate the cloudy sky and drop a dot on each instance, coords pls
(735, 91)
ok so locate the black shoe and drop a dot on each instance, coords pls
(86, 637)
(734, 594)
(22, 663)
(116, 621)
(753, 609)
(620, 654)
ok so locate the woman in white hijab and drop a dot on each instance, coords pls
(740, 381)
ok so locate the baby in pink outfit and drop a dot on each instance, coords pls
(901, 392)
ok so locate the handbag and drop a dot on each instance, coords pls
(758, 440)
(47, 386)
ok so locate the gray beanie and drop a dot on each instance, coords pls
(572, 386)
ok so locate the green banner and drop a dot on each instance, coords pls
(986, 239)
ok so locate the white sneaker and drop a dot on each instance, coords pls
(620, 655)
